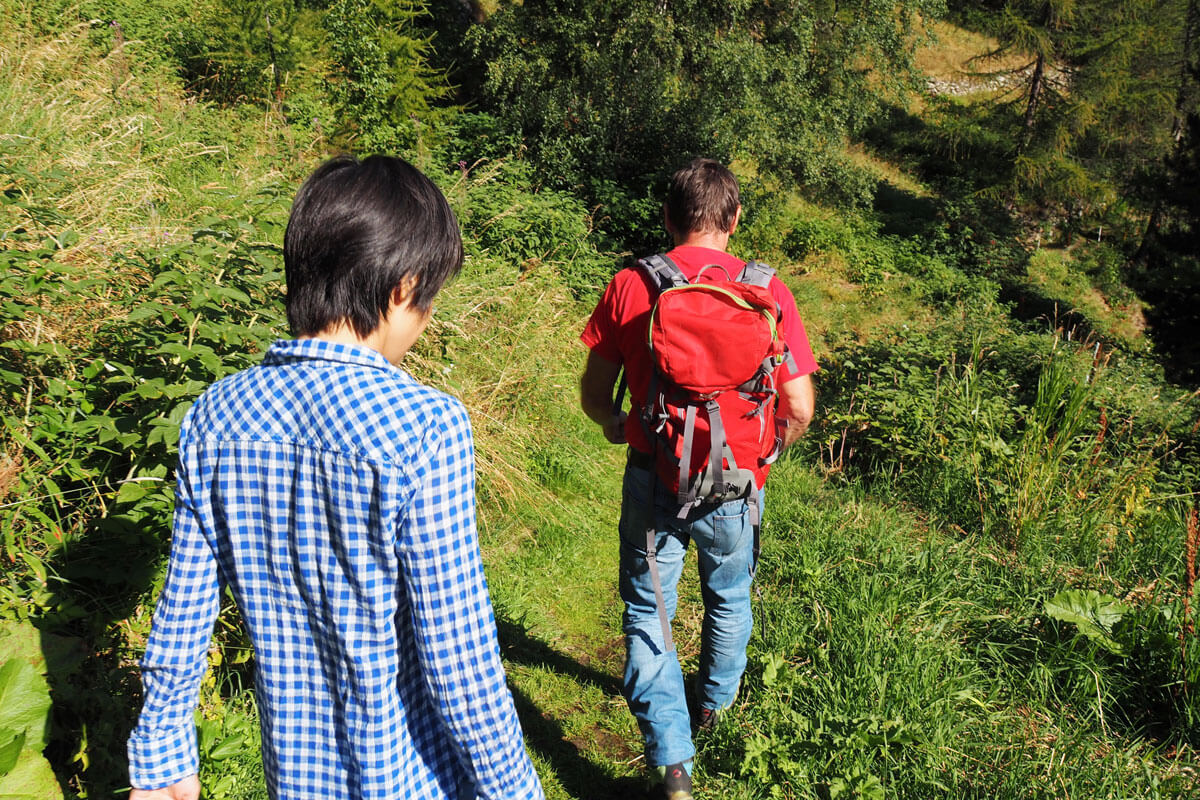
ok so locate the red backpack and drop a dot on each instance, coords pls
(710, 409)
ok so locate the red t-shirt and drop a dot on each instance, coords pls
(617, 328)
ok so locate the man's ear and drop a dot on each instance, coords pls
(737, 215)
(399, 296)
(403, 292)
(667, 222)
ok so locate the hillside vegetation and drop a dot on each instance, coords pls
(979, 566)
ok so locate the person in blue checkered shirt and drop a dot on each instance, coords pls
(334, 496)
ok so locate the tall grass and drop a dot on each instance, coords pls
(895, 660)
(93, 137)
(1038, 441)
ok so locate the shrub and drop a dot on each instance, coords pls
(504, 219)
(1016, 434)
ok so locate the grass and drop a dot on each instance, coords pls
(902, 661)
(954, 53)
(1055, 273)
(118, 151)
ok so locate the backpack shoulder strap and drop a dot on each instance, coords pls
(756, 273)
(662, 271)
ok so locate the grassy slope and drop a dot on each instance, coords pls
(890, 657)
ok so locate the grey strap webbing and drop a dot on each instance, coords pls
(663, 271)
(756, 273)
(756, 524)
(652, 562)
(718, 445)
(790, 360)
(686, 495)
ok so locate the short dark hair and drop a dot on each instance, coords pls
(703, 197)
(358, 229)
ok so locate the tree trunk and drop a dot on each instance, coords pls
(1036, 85)
(1189, 72)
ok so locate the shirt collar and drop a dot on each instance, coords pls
(293, 350)
(706, 255)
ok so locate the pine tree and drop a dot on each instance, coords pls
(1092, 117)
(608, 95)
(1168, 264)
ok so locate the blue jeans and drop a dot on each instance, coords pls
(654, 685)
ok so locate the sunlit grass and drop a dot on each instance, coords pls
(955, 53)
(1053, 271)
(893, 650)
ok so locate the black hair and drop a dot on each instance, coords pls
(359, 229)
(703, 196)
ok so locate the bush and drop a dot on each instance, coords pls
(504, 219)
(1019, 435)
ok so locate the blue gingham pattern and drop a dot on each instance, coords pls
(334, 495)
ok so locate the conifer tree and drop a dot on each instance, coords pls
(607, 96)
(1167, 265)
(1092, 115)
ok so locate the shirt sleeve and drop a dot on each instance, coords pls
(600, 333)
(162, 748)
(454, 624)
(801, 360)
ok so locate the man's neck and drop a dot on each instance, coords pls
(342, 333)
(709, 239)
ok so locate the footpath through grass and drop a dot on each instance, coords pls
(889, 660)
(891, 657)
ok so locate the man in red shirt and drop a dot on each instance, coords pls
(701, 213)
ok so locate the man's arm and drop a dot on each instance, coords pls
(186, 789)
(596, 396)
(454, 625)
(797, 403)
(162, 748)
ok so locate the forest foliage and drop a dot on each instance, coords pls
(1019, 466)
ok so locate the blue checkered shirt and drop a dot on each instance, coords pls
(335, 496)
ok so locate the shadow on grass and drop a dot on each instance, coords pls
(1030, 304)
(521, 648)
(903, 213)
(95, 687)
(1049, 664)
(578, 773)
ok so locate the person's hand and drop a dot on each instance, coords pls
(186, 789)
(614, 429)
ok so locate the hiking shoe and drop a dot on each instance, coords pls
(677, 784)
(706, 719)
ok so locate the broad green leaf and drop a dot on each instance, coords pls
(24, 700)
(151, 389)
(30, 779)
(11, 744)
(144, 311)
(229, 747)
(24, 710)
(1094, 614)
(132, 491)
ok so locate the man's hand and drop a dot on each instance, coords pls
(614, 429)
(186, 789)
